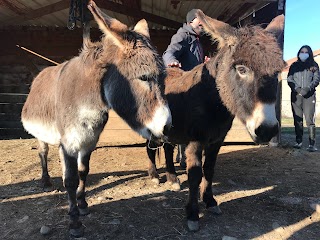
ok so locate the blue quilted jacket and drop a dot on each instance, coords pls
(185, 48)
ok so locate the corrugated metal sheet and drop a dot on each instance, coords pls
(13, 12)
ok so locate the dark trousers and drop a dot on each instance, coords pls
(303, 107)
(181, 156)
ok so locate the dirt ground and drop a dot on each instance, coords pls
(264, 193)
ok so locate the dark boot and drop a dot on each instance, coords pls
(312, 139)
(181, 156)
(298, 127)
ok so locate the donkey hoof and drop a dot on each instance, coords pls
(193, 225)
(77, 232)
(46, 184)
(48, 189)
(215, 210)
(176, 186)
(155, 181)
(84, 211)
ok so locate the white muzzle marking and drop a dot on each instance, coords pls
(263, 114)
(161, 118)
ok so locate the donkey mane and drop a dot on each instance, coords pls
(129, 65)
(96, 53)
(91, 51)
(181, 81)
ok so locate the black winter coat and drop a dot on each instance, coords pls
(184, 48)
(302, 75)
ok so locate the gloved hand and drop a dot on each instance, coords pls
(304, 91)
(298, 90)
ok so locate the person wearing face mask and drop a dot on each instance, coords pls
(303, 78)
(185, 51)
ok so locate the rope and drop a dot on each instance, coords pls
(154, 148)
(37, 54)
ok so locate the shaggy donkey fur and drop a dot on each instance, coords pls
(241, 80)
(68, 104)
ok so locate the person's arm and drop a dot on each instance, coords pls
(175, 50)
(315, 79)
(291, 82)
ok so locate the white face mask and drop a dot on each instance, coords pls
(303, 56)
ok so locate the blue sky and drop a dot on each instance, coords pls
(302, 26)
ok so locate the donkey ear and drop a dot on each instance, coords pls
(109, 26)
(219, 31)
(142, 28)
(276, 27)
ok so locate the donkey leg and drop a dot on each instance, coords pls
(71, 181)
(171, 171)
(43, 154)
(206, 194)
(152, 170)
(194, 169)
(83, 169)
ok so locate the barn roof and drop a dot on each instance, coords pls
(161, 14)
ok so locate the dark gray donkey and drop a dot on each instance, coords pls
(68, 104)
(241, 80)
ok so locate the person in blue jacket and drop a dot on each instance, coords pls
(303, 78)
(185, 51)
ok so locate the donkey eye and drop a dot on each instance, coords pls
(242, 70)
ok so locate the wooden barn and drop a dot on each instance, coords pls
(40, 33)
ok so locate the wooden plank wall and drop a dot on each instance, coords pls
(14, 87)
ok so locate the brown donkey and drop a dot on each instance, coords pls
(241, 80)
(68, 104)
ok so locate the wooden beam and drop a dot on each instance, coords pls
(126, 10)
(237, 15)
(232, 1)
(135, 5)
(55, 7)
(12, 6)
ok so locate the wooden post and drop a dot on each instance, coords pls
(275, 141)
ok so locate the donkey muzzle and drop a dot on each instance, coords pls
(264, 133)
